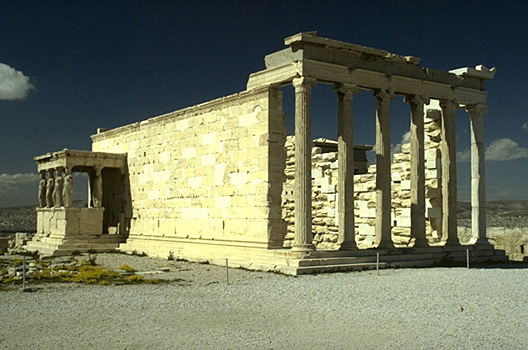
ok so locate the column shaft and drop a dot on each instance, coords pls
(303, 165)
(345, 179)
(417, 170)
(383, 170)
(449, 179)
(478, 183)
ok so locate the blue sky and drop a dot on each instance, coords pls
(69, 67)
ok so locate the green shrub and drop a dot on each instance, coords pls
(134, 278)
(127, 268)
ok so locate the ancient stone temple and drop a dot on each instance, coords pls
(221, 180)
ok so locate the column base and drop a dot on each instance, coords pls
(421, 244)
(452, 243)
(303, 247)
(482, 243)
(348, 246)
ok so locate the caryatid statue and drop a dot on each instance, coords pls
(49, 188)
(67, 193)
(42, 189)
(57, 191)
(98, 189)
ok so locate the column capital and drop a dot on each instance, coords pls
(384, 95)
(449, 104)
(346, 89)
(417, 100)
(478, 108)
(306, 82)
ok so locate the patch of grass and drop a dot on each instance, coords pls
(92, 274)
(92, 259)
(78, 272)
(134, 252)
(134, 278)
(170, 257)
(127, 268)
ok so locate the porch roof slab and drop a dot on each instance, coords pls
(80, 160)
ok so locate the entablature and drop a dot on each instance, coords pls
(80, 160)
(332, 61)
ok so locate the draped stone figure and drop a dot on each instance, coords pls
(49, 189)
(98, 190)
(67, 193)
(57, 191)
(42, 190)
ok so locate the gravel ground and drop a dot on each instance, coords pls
(440, 308)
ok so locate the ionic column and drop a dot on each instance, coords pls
(478, 183)
(383, 169)
(303, 165)
(346, 238)
(449, 179)
(417, 169)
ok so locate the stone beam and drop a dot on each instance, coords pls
(366, 79)
(72, 158)
(278, 76)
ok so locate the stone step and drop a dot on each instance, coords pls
(336, 261)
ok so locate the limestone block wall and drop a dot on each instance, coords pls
(212, 172)
(324, 194)
(324, 200)
(513, 240)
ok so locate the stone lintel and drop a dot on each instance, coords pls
(69, 159)
(436, 85)
(311, 38)
(308, 46)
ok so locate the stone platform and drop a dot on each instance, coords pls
(320, 261)
(58, 246)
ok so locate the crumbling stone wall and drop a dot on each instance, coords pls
(209, 172)
(324, 194)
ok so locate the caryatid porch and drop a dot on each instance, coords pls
(350, 68)
(63, 227)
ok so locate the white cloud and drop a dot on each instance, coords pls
(406, 138)
(14, 85)
(18, 189)
(524, 126)
(505, 149)
(498, 150)
(464, 156)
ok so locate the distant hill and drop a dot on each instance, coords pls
(23, 219)
(496, 208)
